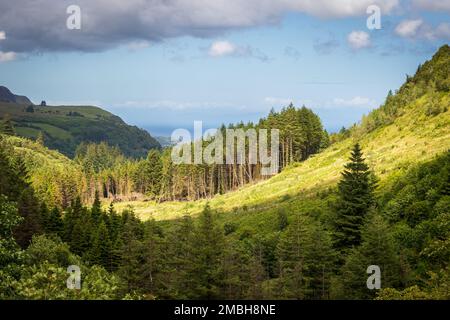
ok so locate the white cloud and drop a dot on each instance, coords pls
(419, 29)
(7, 56)
(432, 5)
(221, 48)
(36, 25)
(2, 35)
(358, 40)
(409, 28)
(355, 102)
(225, 48)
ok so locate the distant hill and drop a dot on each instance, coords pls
(9, 97)
(164, 141)
(65, 127)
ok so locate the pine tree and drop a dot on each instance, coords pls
(8, 127)
(30, 210)
(100, 250)
(305, 258)
(355, 200)
(291, 253)
(377, 248)
(179, 257)
(207, 274)
(96, 210)
(54, 223)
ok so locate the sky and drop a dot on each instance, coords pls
(161, 64)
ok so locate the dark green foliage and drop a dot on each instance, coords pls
(29, 209)
(378, 249)
(354, 202)
(53, 222)
(305, 258)
(209, 246)
(96, 209)
(179, 258)
(7, 127)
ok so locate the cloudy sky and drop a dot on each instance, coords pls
(161, 64)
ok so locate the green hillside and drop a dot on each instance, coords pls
(411, 127)
(65, 127)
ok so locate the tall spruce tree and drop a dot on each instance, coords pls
(355, 200)
(377, 248)
(96, 210)
(207, 270)
(179, 257)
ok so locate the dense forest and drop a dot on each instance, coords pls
(310, 247)
(102, 168)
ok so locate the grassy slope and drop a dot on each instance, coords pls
(64, 132)
(390, 150)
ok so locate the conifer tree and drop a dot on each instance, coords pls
(377, 248)
(355, 200)
(96, 210)
(291, 253)
(7, 127)
(100, 250)
(54, 223)
(30, 209)
(179, 258)
(208, 253)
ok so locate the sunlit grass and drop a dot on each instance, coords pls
(412, 138)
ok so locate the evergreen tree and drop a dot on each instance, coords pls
(101, 246)
(30, 210)
(305, 258)
(54, 223)
(291, 253)
(377, 248)
(355, 200)
(207, 273)
(179, 257)
(96, 210)
(8, 127)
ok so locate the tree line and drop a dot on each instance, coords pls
(99, 167)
